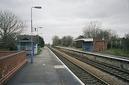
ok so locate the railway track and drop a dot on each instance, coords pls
(121, 74)
(84, 76)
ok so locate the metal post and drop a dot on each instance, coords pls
(38, 37)
(31, 38)
(32, 46)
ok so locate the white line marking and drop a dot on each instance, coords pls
(59, 66)
(67, 68)
(43, 64)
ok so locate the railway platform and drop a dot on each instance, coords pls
(47, 69)
(122, 58)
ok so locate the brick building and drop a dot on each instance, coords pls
(91, 44)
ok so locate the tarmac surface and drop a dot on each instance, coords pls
(46, 70)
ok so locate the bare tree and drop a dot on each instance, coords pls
(92, 29)
(64, 41)
(95, 30)
(67, 41)
(10, 27)
(56, 41)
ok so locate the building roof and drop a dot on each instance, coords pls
(27, 38)
(85, 39)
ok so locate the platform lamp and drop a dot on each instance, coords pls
(32, 47)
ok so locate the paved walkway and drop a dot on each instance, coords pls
(46, 70)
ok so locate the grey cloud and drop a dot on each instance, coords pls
(68, 17)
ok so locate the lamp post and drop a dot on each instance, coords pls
(32, 47)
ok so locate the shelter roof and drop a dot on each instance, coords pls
(84, 39)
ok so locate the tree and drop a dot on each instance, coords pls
(64, 41)
(67, 41)
(125, 42)
(91, 30)
(41, 42)
(56, 41)
(10, 27)
(94, 30)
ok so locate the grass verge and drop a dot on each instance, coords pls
(118, 52)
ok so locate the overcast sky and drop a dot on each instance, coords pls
(68, 17)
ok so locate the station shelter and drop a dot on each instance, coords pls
(91, 44)
(25, 43)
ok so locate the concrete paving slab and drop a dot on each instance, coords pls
(46, 70)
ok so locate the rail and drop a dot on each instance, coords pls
(9, 64)
(98, 73)
(81, 65)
